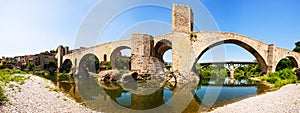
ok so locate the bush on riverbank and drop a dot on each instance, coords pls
(63, 76)
(6, 76)
(280, 78)
(2, 96)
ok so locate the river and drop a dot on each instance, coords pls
(116, 97)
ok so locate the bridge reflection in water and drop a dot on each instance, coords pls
(112, 97)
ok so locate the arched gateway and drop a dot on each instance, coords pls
(187, 47)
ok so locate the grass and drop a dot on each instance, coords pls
(11, 86)
(52, 88)
(7, 76)
(2, 96)
(19, 89)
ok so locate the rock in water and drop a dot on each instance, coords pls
(129, 77)
(109, 75)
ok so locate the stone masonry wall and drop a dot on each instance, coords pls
(141, 60)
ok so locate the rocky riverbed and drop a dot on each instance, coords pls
(38, 95)
(284, 100)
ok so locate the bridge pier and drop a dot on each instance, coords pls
(271, 67)
(231, 69)
(142, 60)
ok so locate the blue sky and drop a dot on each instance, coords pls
(33, 26)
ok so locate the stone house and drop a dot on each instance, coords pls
(46, 57)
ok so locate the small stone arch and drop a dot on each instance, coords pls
(161, 47)
(66, 66)
(114, 53)
(295, 63)
(261, 61)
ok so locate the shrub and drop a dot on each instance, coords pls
(286, 73)
(30, 66)
(1, 65)
(273, 80)
(280, 78)
(63, 76)
(2, 96)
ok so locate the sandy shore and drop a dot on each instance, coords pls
(34, 97)
(284, 100)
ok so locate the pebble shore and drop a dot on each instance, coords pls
(284, 100)
(35, 97)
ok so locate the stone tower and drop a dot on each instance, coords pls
(182, 19)
(59, 55)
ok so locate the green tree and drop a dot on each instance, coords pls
(53, 51)
(51, 66)
(166, 63)
(1, 65)
(30, 66)
(283, 64)
(122, 62)
(297, 48)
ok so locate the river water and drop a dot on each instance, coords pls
(149, 97)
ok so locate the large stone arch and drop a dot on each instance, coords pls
(256, 48)
(115, 52)
(161, 47)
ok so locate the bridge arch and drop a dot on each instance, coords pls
(66, 66)
(115, 52)
(89, 63)
(261, 61)
(161, 47)
(295, 63)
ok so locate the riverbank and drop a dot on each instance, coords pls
(286, 99)
(34, 96)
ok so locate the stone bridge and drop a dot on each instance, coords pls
(187, 48)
